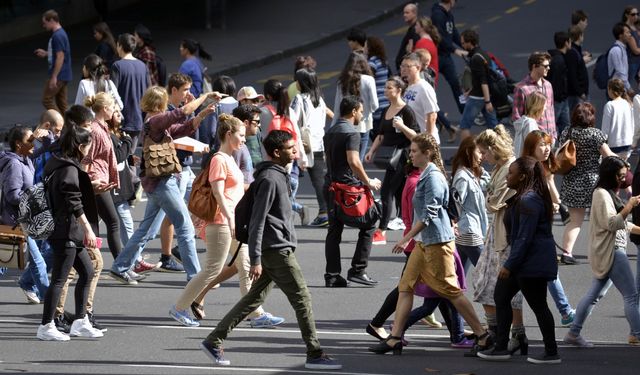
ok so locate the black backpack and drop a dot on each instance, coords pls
(498, 90)
(242, 215)
(162, 71)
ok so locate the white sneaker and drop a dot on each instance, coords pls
(32, 297)
(396, 224)
(49, 332)
(82, 328)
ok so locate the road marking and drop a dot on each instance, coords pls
(398, 31)
(494, 19)
(279, 77)
(322, 76)
(245, 369)
(328, 75)
(512, 10)
(460, 25)
(528, 2)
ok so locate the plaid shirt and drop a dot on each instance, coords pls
(147, 55)
(523, 89)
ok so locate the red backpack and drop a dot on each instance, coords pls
(279, 122)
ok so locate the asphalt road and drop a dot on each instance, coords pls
(143, 339)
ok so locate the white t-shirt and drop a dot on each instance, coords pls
(617, 123)
(421, 97)
(314, 118)
(87, 88)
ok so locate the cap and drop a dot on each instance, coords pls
(248, 92)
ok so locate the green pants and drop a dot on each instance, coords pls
(282, 268)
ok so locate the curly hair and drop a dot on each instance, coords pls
(497, 141)
(426, 142)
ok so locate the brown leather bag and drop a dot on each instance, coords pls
(202, 203)
(566, 157)
(160, 158)
(13, 247)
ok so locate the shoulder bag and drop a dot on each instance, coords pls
(566, 156)
(160, 159)
(202, 203)
(13, 247)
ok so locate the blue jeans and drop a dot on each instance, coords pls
(621, 276)
(469, 255)
(297, 207)
(563, 117)
(559, 297)
(364, 142)
(471, 110)
(165, 197)
(186, 182)
(35, 277)
(456, 330)
(126, 221)
(447, 68)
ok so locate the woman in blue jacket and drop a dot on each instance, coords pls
(532, 260)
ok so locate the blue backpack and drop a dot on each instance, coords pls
(601, 71)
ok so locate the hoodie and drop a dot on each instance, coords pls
(446, 25)
(16, 174)
(271, 225)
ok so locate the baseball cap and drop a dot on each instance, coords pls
(248, 92)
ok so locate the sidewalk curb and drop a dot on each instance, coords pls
(324, 38)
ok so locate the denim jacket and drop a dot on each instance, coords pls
(430, 206)
(469, 200)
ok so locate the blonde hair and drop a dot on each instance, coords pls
(155, 99)
(426, 142)
(98, 101)
(425, 57)
(534, 105)
(226, 123)
(429, 28)
(498, 141)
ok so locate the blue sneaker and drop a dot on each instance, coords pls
(169, 264)
(320, 221)
(216, 354)
(266, 320)
(183, 317)
(566, 321)
(324, 362)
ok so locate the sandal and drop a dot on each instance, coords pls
(198, 311)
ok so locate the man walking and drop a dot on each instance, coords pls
(617, 60)
(558, 76)
(342, 147)
(58, 56)
(410, 16)
(420, 95)
(272, 242)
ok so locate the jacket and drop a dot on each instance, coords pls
(469, 200)
(577, 75)
(430, 203)
(70, 195)
(533, 251)
(558, 75)
(271, 226)
(122, 149)
(16, 173)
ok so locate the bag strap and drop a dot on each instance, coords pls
(235, 255)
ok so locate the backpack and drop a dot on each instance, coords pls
(279, 122)
(34, 213)
(162, 71)
(202, 204)
(242, 215)
(601, 71)
(498, 89)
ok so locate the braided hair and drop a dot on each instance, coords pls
(426, 142)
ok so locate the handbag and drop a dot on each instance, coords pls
(160, 158)
(354, 205)
(202, 203)
(566, 157)
(388, 157)
(13, 247)
(305, 132)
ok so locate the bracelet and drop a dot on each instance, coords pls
(487, 102)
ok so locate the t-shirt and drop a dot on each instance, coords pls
(393, 137)
(223, 168)
(131, 79)
(340, 138)
(87, 87)
(193, 68)
(421, 97)
(60, 42)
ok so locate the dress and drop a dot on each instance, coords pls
(578, 184)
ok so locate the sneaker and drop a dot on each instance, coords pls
(134, 276)
(566, 321)
(49, 332)
(175, 252)
(94, 324)
(495, 355)
(216, 354)
(324, 362)
(124, 278)
(266, 320)
(170, 264)
(32, 297)
(143, 267)
(568, 260)
(320, 221)
(183, 317)
(633, 340)
(544, 359)
(62, 324)
(465, 343)
(304, 216)
(479, 120)
(82, 328)
(379, 238)
(431, 321)
(396, 224)
(578, 341)
(334, 281)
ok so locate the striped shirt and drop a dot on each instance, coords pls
(380, 74)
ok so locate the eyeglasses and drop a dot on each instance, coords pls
(546, 66)
(256, 121)
(633, 14)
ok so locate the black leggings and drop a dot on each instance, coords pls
(66, 255)
(392, 185)
(534, 291)
(108, 214)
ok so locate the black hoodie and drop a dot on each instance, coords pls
(271, 226)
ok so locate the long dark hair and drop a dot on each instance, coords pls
(72, 137)
(608, 179)
(275, 91)
(195, 48)
(534, 180)
(464, 157)
(103, 29)
(97, 72)
(349, 79)
(308, 81)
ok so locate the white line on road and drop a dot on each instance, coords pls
(246, 369)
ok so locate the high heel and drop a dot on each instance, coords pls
(383, 347)
(489, 342)
(376, 332)
(519, 342)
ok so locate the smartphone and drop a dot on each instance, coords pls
(211, 100)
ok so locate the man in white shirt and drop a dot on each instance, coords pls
(420, 95)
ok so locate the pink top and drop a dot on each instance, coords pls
(406, 205)
(224, 168)
(101, 160)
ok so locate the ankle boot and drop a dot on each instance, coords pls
(519, 342)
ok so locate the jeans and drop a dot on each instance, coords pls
(392, 185)
(364, 143)
(559, 297)
(35, 277)
(186, 182)
(444, 120)
(165, 197)
(534, 291)
(471, 110)
(573, 101)
(126, 221)
(279, 267)
(638, 271)
(469, 255)
(563, 116)
(316, 174)
(621, 276)
(447, 68)
(297, 207)
(455, 323)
